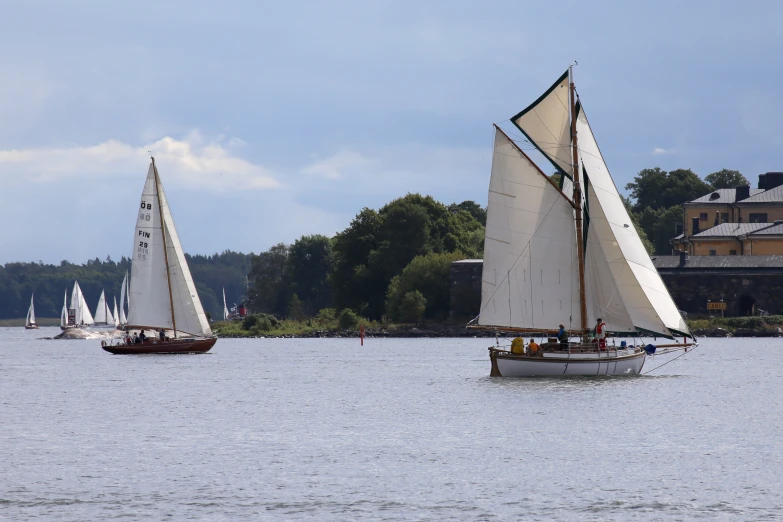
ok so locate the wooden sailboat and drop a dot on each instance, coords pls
(29, 322)
(166, 306)
(567, 253)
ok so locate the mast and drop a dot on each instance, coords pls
(165, 248)
(578, 204)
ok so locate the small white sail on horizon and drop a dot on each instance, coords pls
(115, 317)
(30, 319)
(123, 297)
(225, 308)
(64, 313)
(79, 306)
(164, 295)
(102, 313)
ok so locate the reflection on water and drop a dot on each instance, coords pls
(399, 429)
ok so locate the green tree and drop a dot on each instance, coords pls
(428, 275)
(296, 309)
(348, 319)
(656, 188)
(726, 178)
(309, 263)
(478, 212)
(378, 246)
(661, 226)
(269, 279)
(412, 307)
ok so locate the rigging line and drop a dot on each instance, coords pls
(670, 360)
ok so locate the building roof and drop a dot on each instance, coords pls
(773, 195)
(731, 229)
(718, 262)
(725, 196)
(772, 229)
(467, 261)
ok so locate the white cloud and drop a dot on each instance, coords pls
(658, 151)
(192, 161)
(338, 165)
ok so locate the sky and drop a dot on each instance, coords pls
(273, 120)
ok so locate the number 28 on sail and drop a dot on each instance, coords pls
(566, 253)
(165, 315)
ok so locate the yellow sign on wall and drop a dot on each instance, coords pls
(716, 306)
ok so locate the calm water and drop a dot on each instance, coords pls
(397, 430)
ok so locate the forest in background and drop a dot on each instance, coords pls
(388, 264)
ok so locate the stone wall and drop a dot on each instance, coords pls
(744, 294)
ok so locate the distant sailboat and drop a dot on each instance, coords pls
(114, 313)
(29, 322)
(103, 315)
(567, 255)
(165, 299)
(225, 308)
(79, 313)
(64, 314)
(123, 296)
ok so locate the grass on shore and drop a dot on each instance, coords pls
(733, 323)
(287, 327)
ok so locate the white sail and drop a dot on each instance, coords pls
(123, 297)
(86, 318)
(225, 308)
(115, 316)
(100, 311)
(639, 288)
(157, 291)
(30, 320)
(188, 311)
(64, 313)
(530, 276)
(546, 123)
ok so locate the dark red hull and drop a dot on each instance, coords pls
(173, 346)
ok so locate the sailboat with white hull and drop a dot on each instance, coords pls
(567, 254)
(29, 322)
(165, 300)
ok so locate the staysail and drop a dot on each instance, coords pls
(82, 313)
(530, 277)
(30, 320)
(163, 292)
(634, 281)
(225, 308)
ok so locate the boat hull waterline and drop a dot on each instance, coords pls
(170, 347)
(507, 364)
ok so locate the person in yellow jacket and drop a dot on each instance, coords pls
(518, 346)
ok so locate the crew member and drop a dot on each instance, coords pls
(562, 336)
(600, 333)
(518, 346)
(533, 347)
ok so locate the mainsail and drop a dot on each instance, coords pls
(164, 295)
(79, 306)
(30, 320)
(621, 285)
(530, 277)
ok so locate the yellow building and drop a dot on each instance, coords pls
(737, 221)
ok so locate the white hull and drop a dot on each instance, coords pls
(505, 364)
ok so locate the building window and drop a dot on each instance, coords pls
(724, 217)
(758, 218)
(703, 215)
(732, 252)
(713, 253)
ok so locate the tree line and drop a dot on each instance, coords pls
(50, 282)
